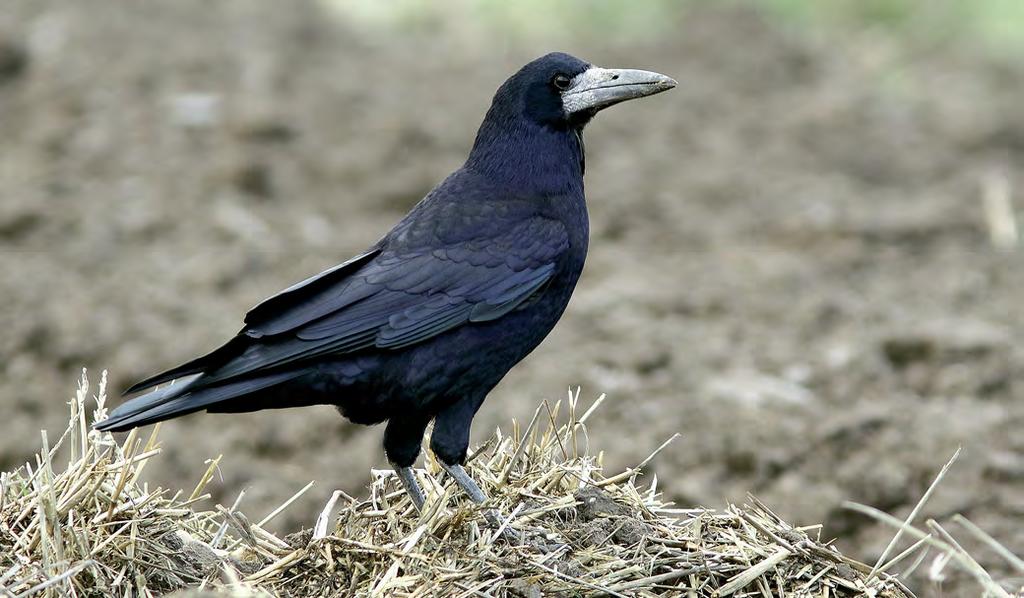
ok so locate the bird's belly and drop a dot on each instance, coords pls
(466, 362)
(471, 360)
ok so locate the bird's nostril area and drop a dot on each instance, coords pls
(614, 77)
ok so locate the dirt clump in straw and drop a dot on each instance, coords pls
(95, 528)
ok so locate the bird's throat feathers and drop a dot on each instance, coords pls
(528, 156)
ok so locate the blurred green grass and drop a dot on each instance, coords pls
(993, 25)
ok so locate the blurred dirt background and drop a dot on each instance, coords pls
(792, 263)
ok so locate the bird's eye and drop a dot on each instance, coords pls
(561, 81)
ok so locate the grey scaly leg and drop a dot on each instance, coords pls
(412, 487)
(465, 482)
(477, 495)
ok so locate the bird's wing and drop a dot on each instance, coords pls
(305, 294)
(400, 298)
(298, 299)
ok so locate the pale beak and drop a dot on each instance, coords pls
(597, 88)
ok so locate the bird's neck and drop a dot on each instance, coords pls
(529, 158)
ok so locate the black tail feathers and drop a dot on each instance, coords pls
(198, 365)
(183, 398)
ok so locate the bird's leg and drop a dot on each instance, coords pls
(475, 494)
(450, 442)
(402, 439)
(465, 482)
(412, 487)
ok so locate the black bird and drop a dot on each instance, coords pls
(428, 320)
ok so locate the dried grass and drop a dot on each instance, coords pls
(95, 528)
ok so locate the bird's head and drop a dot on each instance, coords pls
(560, 91)
(532, 134)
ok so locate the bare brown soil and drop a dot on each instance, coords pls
(790, 260)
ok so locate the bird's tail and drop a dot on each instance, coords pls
(182, 398)
(198, 365)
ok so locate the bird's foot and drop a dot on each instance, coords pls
(412, 487)
(465, 482)
(493, 516)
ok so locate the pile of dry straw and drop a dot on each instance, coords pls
(80, 521)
